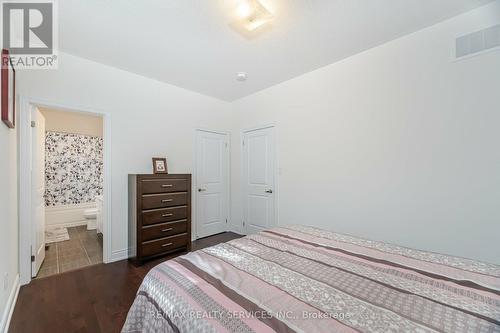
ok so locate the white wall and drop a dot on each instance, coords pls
(72, 122)
(8, 223)
(149, 118)
(397, 143)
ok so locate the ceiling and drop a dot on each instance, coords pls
(194, 44)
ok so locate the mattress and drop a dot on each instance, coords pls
(303, 279)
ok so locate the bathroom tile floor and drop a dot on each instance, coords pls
(83, 248)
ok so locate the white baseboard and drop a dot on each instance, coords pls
(119, 255)
(9, 307)
(236, 229)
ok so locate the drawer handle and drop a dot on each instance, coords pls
(168, 229)
(167, 215)
(167, 200)
(167, 185)
(165, 245)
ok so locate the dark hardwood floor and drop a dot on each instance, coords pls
(92, 299)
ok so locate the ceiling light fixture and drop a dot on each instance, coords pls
(253, 14)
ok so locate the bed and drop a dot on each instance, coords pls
(303, 279)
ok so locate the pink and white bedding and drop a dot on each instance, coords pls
(302, 279)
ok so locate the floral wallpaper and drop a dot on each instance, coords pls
(73, 168)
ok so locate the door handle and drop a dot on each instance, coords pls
(269, 191)
(202, 189)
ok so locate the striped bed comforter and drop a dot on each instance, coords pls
(302, 279)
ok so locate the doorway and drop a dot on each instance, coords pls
(64, 189)
(259, 172)
(212, 182)
(67, 185)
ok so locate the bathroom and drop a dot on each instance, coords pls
(73, 189)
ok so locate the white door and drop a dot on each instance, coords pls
(38, 191)
(212, 156)
(258, 180)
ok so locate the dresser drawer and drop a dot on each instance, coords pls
(163, 230)
(159, 213)
(164, 215)
(166, 244)
(164, 200)
(164, 185)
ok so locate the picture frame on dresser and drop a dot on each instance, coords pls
(8, 90)
(159, 215)
(160, 165)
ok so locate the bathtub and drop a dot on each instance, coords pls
(67, 215)
(73, 215)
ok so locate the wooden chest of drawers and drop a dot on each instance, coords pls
(159, 215)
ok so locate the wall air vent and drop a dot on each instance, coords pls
(478, 42)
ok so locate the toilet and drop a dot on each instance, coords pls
(91, 217)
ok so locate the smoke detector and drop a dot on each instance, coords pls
(241, 76)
